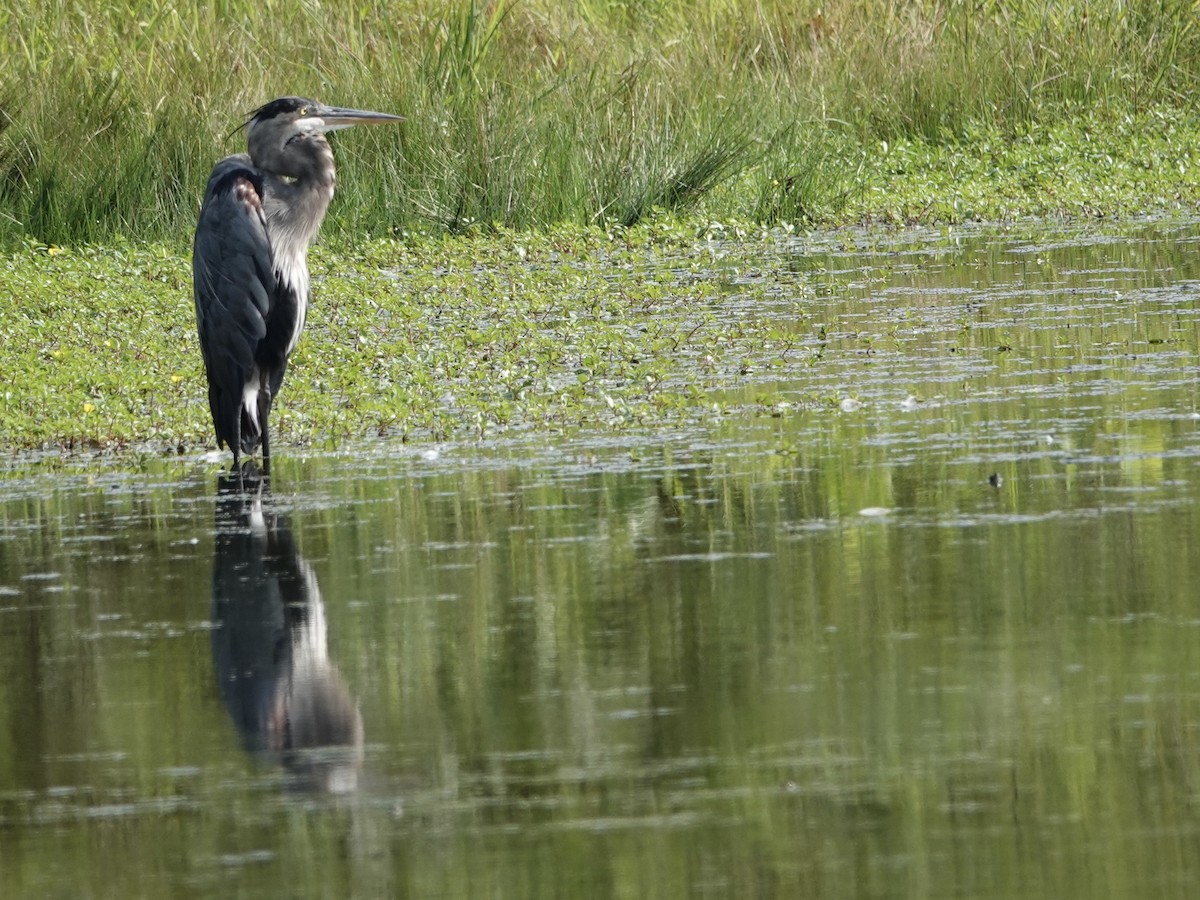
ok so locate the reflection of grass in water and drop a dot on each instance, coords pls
(574, 673)
(930, 692)
(531, 113)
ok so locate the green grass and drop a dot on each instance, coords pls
(528, 114)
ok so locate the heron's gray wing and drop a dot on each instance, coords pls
(234, 284)
(233, 276)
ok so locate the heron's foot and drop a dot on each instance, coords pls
(248, 467)
(249, 476)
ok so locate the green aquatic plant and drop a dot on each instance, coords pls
(407, 339)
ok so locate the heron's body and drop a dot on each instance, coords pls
(261, 212)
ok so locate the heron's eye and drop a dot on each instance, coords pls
(304, 111)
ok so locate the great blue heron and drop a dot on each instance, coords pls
(249, 262)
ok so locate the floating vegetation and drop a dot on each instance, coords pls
(575, 327)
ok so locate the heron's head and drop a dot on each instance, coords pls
(287, 127)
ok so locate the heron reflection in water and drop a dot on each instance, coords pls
(270, 655)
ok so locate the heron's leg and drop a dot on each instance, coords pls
(264, 414)
(236, 446)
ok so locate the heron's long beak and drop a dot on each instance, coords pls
(337, 117)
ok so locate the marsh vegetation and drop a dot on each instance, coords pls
(530, 114)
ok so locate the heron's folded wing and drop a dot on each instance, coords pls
(233, 276)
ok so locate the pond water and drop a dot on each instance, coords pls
(940, 640)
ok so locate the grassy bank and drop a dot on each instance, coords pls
(532, 113)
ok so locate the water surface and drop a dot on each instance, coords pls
(937, 636)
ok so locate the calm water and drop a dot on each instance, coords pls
(940, 641)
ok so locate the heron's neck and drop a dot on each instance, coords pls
(298, 180)
(296, 206)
